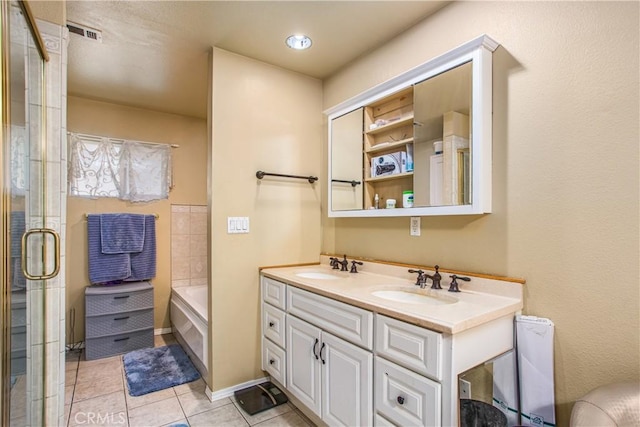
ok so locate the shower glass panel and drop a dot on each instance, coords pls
(23, 210)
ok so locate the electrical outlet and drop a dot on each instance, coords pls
(414, 228)
(464, 389)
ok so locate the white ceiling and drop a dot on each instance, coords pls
(153, 54)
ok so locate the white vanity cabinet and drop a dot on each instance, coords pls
(328, 374)
(357, 364)
(402, 396)
(274, 356)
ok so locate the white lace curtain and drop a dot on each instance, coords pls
(128, 170)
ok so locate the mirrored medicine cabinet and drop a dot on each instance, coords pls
(422, 139)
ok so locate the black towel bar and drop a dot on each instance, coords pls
(352, 182)
(311, 179)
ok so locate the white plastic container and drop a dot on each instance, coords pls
(391, 203)
(407, 199)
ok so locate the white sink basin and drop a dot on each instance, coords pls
(413, 297)
(316, 275)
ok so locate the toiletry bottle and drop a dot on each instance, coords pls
(376, 201)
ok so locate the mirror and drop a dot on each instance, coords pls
(407, 147)
(442, 153)
(346, 162)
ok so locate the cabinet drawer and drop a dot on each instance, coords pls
(274, 361)
(97, 348)
(405, 397)
(118, 302)
(274, 292)
(273, 324)
(351, 323)
(379, 421)
(111, 324)
(411, 346)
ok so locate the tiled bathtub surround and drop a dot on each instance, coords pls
(188, 245)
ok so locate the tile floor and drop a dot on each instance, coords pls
(96, 394)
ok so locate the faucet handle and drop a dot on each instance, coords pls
(333, 262)
(420, 279)
(453, 287)
(353, 266)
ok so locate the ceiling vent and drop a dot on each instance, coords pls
(86, 32)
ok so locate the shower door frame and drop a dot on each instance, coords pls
(5, 205)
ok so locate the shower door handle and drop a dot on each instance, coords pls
(56, 253)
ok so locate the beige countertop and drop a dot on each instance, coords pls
(479, 301)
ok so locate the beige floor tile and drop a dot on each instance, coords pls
(109, 409)
(68, 394)
(224, 416)
(90, 389)
(194, 402)
(195, 386)
(162, 340)
(145, 399)
(156, 414)
(94, 362)
(70, 377)
(290, 419)
(99, 372)
(264, 415)
(71, 365)
(72, 356)
(181, 423)
(67, 411)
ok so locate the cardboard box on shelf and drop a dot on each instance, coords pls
(389, 164)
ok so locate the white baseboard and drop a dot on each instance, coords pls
(227, 392)
(162, 331)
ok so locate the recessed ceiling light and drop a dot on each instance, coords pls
(298, 42)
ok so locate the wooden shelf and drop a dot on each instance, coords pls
(389, 177)
(388, 145)
(403, 121)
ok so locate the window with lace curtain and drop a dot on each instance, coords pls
(127, 170)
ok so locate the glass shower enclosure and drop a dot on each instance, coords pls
(30, 250)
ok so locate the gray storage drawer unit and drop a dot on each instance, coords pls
(118, 319)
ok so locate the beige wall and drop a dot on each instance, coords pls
(49, 10)
(263, 118)
(565, 211)
(190, 178)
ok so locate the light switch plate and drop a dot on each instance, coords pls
(414, 227)
(237, 224)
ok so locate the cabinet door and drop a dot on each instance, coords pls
(346, 162)
(303, 364)
(347, 390)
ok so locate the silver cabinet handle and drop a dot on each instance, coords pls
(56, 254)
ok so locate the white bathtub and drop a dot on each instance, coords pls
(189, 322)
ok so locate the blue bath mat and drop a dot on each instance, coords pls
(154, 369)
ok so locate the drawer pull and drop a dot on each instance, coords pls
(271, 362)
(315, 346)
(400, 400)
(122, 297)
(121, 339)
(271, 324)
(322, 348)
(121, 318)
